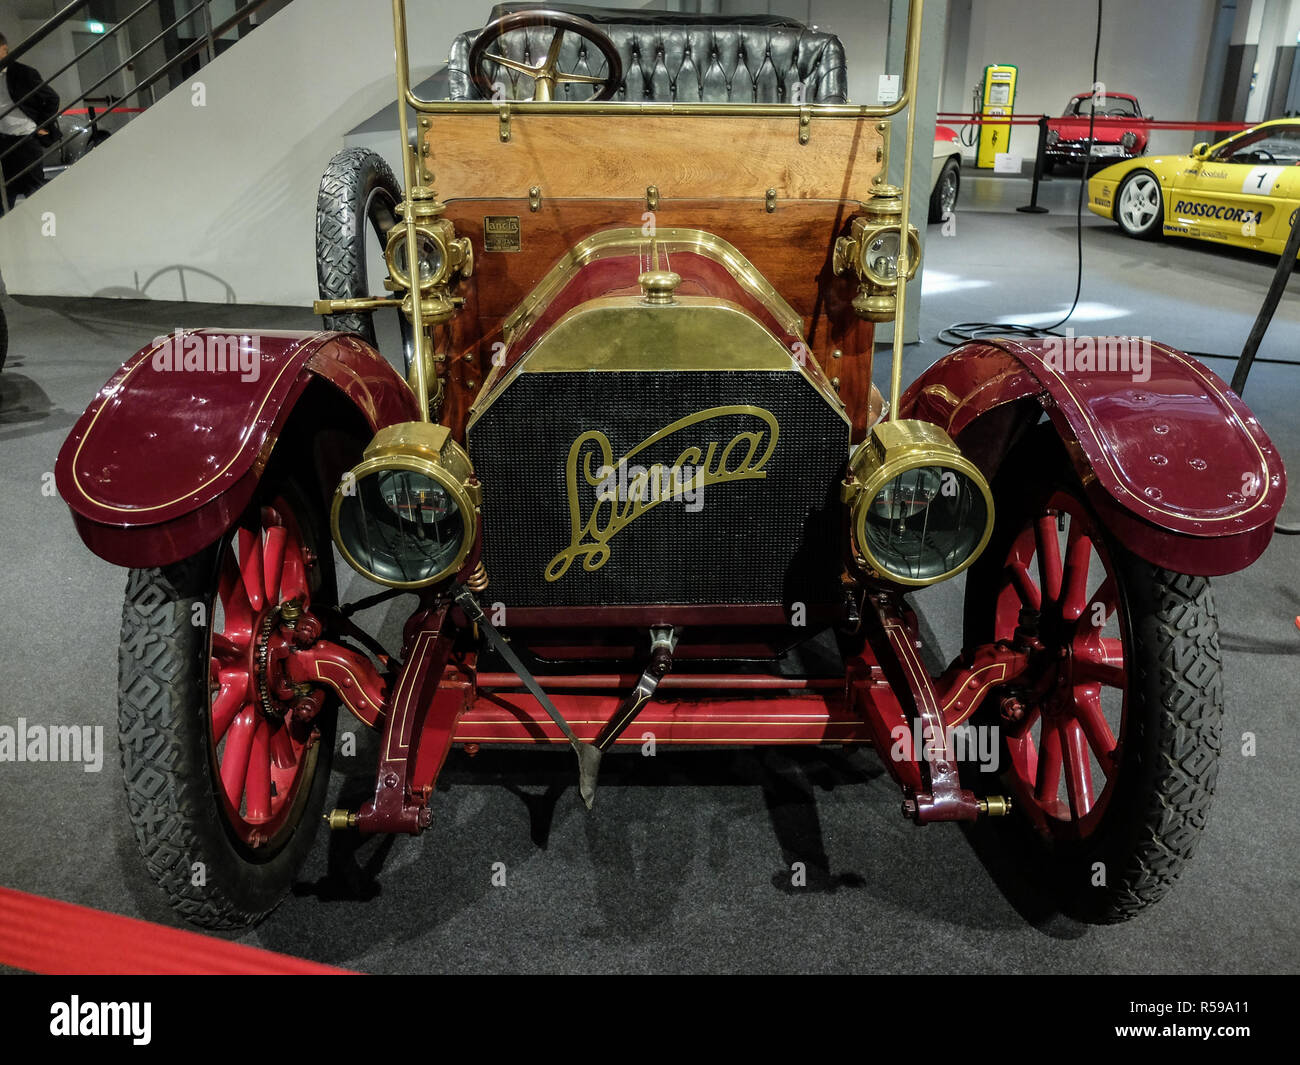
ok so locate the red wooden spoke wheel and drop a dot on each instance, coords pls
(1065, 751)
(225, 763)
(1110, 738)
(262, 748)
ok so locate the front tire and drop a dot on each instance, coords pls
(1140, 206)
(1112, 765)
(224, 783)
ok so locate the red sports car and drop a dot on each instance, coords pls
(1116, 130)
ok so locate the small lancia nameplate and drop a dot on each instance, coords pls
(501, 232)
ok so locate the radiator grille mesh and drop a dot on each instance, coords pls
(771, 540)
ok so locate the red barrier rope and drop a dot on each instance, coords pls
(1135, 123)
(103, 111)
(46, 936)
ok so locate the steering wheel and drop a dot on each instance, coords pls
(546, 75)
(1252, 155)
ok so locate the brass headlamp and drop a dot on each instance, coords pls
(407, 516)
(871, 250)
(921, 511)
(440, 253)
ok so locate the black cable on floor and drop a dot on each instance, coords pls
(1237, 358)
(960, 332)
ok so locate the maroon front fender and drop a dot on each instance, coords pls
(1175, 463)
(168, 454)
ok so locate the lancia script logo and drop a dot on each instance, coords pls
(709, 460)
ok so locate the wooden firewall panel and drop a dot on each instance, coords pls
(619, 155)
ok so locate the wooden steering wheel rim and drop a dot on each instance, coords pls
(559, 20)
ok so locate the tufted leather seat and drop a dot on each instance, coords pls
(676, 57)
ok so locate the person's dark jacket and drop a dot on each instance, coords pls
(43, 106)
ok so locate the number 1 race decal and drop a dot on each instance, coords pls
(1259, 181)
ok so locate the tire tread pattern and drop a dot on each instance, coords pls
(1179, 676)
(340, 231)
(168, 790)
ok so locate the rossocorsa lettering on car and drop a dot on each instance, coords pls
(1218, 210)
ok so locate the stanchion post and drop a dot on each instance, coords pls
(1032, 206)
(1285, 265)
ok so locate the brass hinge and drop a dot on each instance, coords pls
(422, 163)
(503, 115)
(805, 124)
(535, 198)
(771, 200)
(652, 197)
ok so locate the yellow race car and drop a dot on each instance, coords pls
(1242, 191)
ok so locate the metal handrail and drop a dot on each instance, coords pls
(40, 161)
(42, 31)
(194, 48)
(208, 40)
(77, 58)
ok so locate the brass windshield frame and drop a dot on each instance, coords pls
(801, 113)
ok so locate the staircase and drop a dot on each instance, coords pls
(124, 55)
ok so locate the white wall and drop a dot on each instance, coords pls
(230, 188)
(1150, 48)
(861, 25)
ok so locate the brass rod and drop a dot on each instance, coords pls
(650, 107)
(910, 64)
(409, 175)
(359, 303)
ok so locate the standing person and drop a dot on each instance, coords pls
(36, 115)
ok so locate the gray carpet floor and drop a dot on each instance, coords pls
(684, 866)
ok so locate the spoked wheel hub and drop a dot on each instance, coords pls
(261, 725)
(1065, 728)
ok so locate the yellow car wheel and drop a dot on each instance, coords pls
(1140, 206)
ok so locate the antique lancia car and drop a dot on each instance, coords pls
(635, 484)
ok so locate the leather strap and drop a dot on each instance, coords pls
(588, 756)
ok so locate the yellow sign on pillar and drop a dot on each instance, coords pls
(999, 96)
